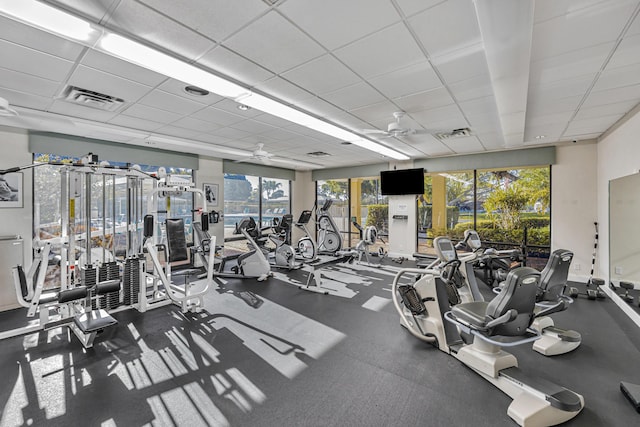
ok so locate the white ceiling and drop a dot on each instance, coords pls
(511, 71)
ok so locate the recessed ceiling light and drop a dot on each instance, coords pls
(196, 91)
(318, 154)
(243, 107)
(541, 136)
(345, 143)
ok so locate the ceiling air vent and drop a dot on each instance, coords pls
(456, 133)
(318, 154)
(92, 99)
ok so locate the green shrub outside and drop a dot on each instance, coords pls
(378, 216)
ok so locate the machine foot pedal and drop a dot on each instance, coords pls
(632, 393)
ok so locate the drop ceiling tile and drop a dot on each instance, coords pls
(447, 27)
(580, 29)
(146, 112)
(109, 84)
(437, 115)
(216, 19)
(634, 29)
(96, 9)
(132, 17)
(431, 147)
(74, 110)
(382, 52)
(135, 123)
(33, 38)
(272, 120)
(406, 81)
(548, 9)
(348, 121)
(230, 106)
(382, 111)
(30, 61)
(354, 96)
(581, 136)
(170, 102)
(592, 125)
(212, 139)
(411, 7)
(561, 118)
(177, 132)
(176, 87)
(462, 64)
(321, 75)
(627, 53)
(618, 77)
(563, 88)
(231, 64)
(319, 107)
(10, 79)
(282, 135)
(275, 43)
(476, 87)
(425, 100)
(577, 63)
(26, 100)
(350, 20)
(279, 88)
(606, 110)
(479, 105)
(253, 126)
(100, 61)
(231, 133)
(218, 116)
(549, 105)
(611, 96)
(469, 144)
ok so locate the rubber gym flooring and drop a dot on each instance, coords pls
(270, 354)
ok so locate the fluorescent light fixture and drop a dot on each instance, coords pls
(379, 148)
(50, 19)
(63, 24)
(151, 59)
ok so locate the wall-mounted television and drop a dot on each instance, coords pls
(402, 182)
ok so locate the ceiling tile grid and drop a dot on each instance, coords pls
(352, 63)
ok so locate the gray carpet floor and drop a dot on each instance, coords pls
(270, 354)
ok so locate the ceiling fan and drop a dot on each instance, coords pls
(395, 129)
(259, 154)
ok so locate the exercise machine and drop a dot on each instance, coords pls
(368, 237)
(306, 246)
(462, 287)
(283, 255)
(248, 265)
(475, 333)
(329, 239)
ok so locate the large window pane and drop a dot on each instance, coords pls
(275, 199)
(338, 191)
(369, 208)
(241, 200)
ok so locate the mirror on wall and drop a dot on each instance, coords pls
(624, 229)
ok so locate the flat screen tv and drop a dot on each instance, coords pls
(401, 182)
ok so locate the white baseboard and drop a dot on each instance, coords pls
(624, 306)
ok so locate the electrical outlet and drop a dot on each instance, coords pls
(618, 270)
(576, 267)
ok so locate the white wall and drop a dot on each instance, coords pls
(210, 171)
(16, 221)
(618, 156)
(574, 205)
(303, 196)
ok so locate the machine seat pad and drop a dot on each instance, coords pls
(94, 320)
(176, 240)
(472, 313)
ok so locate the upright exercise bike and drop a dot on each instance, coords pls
(475, 333)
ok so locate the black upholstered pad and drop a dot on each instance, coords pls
(176, 240)
(94, 320)
(472, 313)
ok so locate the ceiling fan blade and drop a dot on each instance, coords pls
(374, 131)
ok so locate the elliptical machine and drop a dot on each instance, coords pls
(368, 236)
(329, 239)
(306, 246)
(475, 333)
